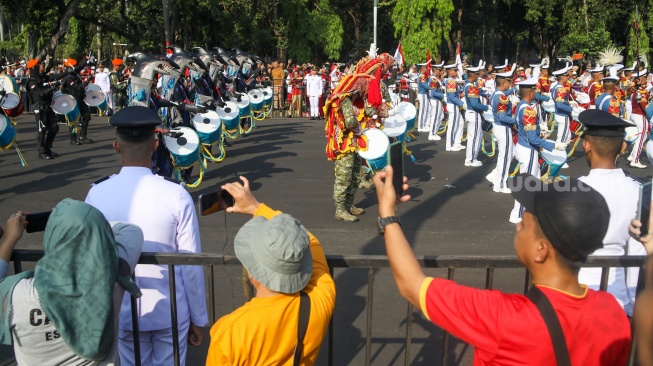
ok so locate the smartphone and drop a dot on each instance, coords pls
(396, 161)
(36, 221)
(215, 201)
(644, 208)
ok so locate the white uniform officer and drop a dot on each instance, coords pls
(165, 212)
(563, 109)
(436, 98)
(423, 91)
(529, 141)
(504, 122)
(473, 112)
(454, 106)
(314, 90)
(603, 142)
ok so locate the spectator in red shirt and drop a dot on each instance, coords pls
(297, 82)
(562, 225)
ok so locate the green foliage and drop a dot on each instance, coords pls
(421, 25)
(638, 41)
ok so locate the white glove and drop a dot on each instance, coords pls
(375, 116)
(391, 112)
(561, 146)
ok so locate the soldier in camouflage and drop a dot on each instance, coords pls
(118, 85)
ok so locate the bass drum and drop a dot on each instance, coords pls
(8, 84)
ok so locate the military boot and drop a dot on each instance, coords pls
(343, 214)
(366, 183)
(356, 210)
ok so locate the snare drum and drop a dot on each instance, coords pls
(409, 113)
(12, 105)
(256, 99)
(631, 136)
(208, 127)
(553, 161)
(66, 105)
(394, 126)
(93, 87)
(185, 149)
(229, 115)
(7, 132)
(377, 146)
(96, 98)
(488, 120)
(576, 111)
(243, 105)
(549, 106)
(581, 97)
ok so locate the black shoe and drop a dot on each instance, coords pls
(46, 156)
(75, 142)
(53, 154)
(85, 140)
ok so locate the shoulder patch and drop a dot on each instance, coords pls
(101, 180)
(503, 99)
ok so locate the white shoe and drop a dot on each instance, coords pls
(501, 190)
(630, 158)
(435, 138)
(492, 176)
(636, 164)
(453, 149)
(461, 147)
(474, 163)
(515, 220)
(565, 166)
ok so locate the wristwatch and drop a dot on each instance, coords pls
(381, 223)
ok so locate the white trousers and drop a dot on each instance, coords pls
(474, 134)
(435, 117)
(643, 130)
(156, 346)
(110, 104)
(563, 135)
(629, 107)
(505, 148)
(424, 111)
(455, 128)
(315, 106)
(529, 163)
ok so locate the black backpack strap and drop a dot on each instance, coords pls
(552, 323)
(302, 326)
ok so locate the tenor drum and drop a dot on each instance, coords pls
(229, 115)
(96, 98)
(243, 105)
(256, 100)
(93, 87)
(576, 111)
(208, 127)
(394, 126)
(553, 161)
(582, 98)
(184, 150)
(377, 146)
(12, 105)
(268, 96)
(549, 106)
(488, 120)
(409, 112)
(66, 105)
(7, 132)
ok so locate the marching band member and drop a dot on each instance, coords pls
(543, 90)
(529, 141)
(638, 116)
(74, 86)
(436, 97)
(562, 108)
(609, 101)
(596, 88)
(603, 142)
(118, 85)
(504, 122)
(454, 109)
(423, 90)
(472, 115)
(628, 86)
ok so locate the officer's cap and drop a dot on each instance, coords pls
(601, 123)
(135, 121)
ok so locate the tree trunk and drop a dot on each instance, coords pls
(186, 41)
(452, 51)
(51, 45)
(459, 33)
(166, 22)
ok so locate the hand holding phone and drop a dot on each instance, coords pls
(215, 201)
(644, 207)
(395, 156)
(36, 222)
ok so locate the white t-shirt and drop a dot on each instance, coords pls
(37, 342)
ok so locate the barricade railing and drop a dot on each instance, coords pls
(369, 262)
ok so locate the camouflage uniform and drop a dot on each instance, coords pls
(119, 90)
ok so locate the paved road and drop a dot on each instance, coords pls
(453, 211)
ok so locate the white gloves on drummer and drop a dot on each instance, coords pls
(392, 112)
(561, 146)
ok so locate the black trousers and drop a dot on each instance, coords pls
(47, 126)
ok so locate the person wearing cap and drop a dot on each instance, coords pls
(473, 115)
(608, 101)
(314, 91)
(504, 123)
(603, 141)
(639, 101)
(627, 85)
(436, 97)
(118, 85)
(563, 109)
(561, 227)
(284, 263)
(40, 89)
(74, 86)
(62, 312)
(595, 88)
(529, 141)
(424, 104)
(166, 213)
(454, 109)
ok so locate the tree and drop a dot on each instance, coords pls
(422, 25)
(638, 41)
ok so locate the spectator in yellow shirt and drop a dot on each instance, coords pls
(282, 259)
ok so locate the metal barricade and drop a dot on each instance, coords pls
(369, 262)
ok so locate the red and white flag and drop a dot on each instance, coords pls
(459, 61)
(399, 55)
(168, 50)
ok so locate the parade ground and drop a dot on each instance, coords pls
(453, 211)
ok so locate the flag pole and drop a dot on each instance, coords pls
(375, 8)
